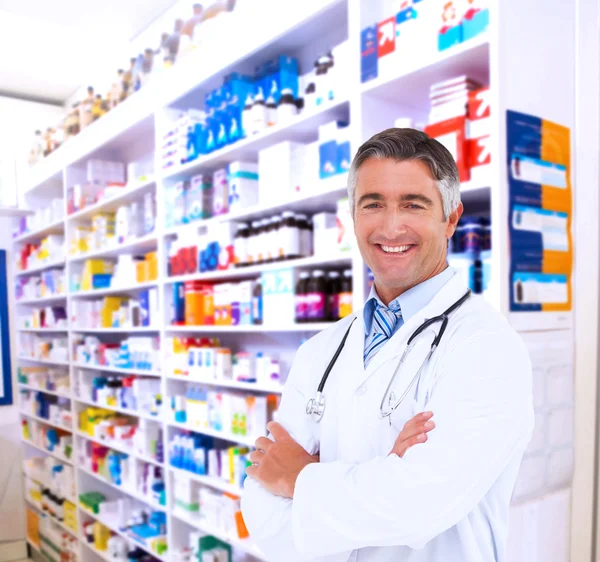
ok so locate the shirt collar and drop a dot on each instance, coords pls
(411, 301)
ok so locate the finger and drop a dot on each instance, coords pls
(256, 456)
(263, 443)
(252, 471)
(411, 431)
(278, 431)
(401, 449)
(419, 418)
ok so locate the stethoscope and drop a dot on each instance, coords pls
(315, 407)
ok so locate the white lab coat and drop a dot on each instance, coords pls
(446, 500)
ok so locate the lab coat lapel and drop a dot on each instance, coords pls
(446, 296)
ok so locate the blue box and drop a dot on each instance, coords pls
(476, 25)
(328, 159)
(344, 157)
(452, 36)
(368, 54)
(101, 280)
(145, 307)
(280, 74)
(178, 303)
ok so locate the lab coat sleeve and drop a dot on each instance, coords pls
(482, 405)
(269, 517)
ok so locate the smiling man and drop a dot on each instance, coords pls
(364, 473)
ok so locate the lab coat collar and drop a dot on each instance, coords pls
(443, 299)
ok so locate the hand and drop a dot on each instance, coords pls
(277, 464)
(414, 432)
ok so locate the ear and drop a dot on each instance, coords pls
(453, 220)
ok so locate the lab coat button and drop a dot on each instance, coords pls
(361, 390)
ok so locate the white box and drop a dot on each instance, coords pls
(278, 171)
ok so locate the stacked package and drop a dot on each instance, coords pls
(460, 119)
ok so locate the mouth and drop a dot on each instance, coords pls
(396, 250)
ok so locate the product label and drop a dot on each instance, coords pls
(334, 306)
(345, 304)
(301, 307)
(241, 251)
(257, 309)
(291, 241)
(316, 306)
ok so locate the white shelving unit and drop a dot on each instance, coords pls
(303, 28)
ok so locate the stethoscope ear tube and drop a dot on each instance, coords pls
(334, 359)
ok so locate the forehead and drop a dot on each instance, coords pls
(385, 173)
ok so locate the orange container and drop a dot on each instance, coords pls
(152, 261)
(194, 303)
(141, 271)
(208, 293)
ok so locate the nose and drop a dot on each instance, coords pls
(393, 224)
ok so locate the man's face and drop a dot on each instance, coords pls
(399, 224)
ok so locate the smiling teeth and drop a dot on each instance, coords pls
(395, 249)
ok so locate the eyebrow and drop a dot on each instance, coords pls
(404, 198)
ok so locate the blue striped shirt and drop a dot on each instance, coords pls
(410, 301)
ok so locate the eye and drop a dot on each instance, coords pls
(372, 206)
(415, 206)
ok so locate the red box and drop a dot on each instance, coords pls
(452, 134)
(479, 104)
(480, 151)
(386, 37)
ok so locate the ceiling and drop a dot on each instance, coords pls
(51, 47)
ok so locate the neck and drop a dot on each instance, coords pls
(388, 293)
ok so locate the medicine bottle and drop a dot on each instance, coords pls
(301, 297)
(272, 117)
(290, 236)
(259, 113)
(316, 297)
(273, 251)
(306, 235)
(267, 240)
(252, 243)
(346, 294)
(257, 304)
(261, 238)
(240, 245)
(333, 295)
(286, 108)
(247, 116)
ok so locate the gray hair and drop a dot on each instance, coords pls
(409, 144)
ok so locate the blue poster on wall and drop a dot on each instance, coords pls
(6, 379)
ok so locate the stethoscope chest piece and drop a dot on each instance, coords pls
(316, 407)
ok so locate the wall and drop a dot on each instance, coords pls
(12, 517)
(18, 121)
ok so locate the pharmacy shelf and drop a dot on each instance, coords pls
(100, 553)
(43, 361)
(56, 227)
(302, 128)
(120, 290)
(140, 245)
(43, 330)
(45, 391)
(107, 523)
(64, 527)
(43, 301)
(131, 493)
(130, 330)
(225, 436)
(124, 411)
(254, 387)
(45, 421)
(68, 498)
(210, 481)
(251, 328)
(323, 196)
(57, 456)
(243, 545)
(118, 370)
(38, 269)
(256, 270)
(128, 194)
(117, 447)
(412, 78)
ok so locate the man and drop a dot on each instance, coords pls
(371, 482)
